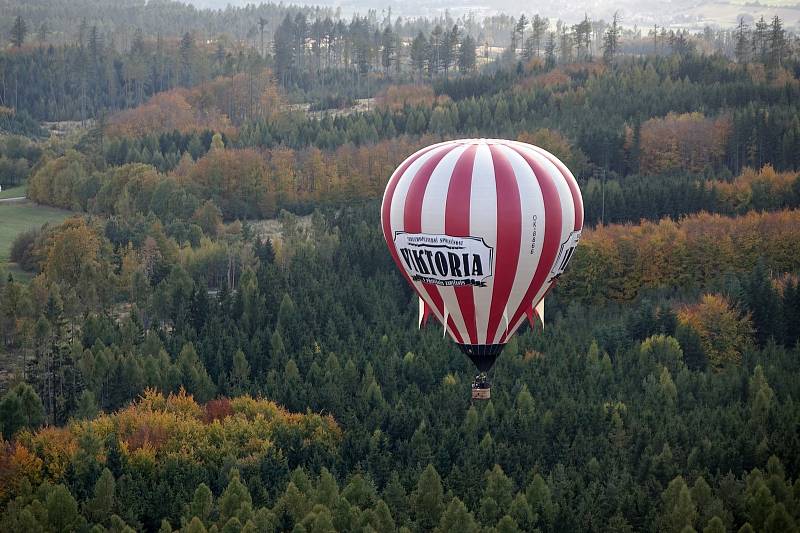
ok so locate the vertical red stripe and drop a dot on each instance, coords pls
(577, 199)
(456, 224)
(509, 233)
(386, 207)
(412, 223)
(552, 233)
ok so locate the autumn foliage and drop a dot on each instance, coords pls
(246, 183)
(619, 260)
(219, 105)
(237, 180)
(689, 142)
(396, 97)
(159, 429)
(553, 79)
(755, 189)
(167, 111)
(724, 331)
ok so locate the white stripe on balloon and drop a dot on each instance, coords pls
(434, 207)
(483, 223)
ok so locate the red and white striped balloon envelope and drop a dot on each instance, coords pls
(482, 229)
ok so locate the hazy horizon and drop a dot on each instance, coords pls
(681, 13)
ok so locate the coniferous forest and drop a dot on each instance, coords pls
(213, 335)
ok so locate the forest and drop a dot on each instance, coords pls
(215, 338)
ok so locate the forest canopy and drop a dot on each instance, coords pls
(213, 337)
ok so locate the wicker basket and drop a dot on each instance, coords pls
(481, 394)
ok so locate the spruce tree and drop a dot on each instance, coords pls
(101, 505)
(427, 501)
(18, 32)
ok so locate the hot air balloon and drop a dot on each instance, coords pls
(482, 229)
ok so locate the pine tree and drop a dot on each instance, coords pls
(186, 51)
(497, 496)
(239, 379)
(761, 299)
(522, 513)
(95, 43)
(679, 509)
(550, 51)
(285, 50)
(62, 510)
(43, 32)
(234, 499)
(194, 375)
(466, 54)
(522, 23)
(540, 500)
(201, 505)
(715, 525)
(507, 525)
(777, 43)
(11, 415)
(395, 497)
(538, 28)
(611, 40)
(20, 408)
(427, 501)
(759, 503)
(742, 48)
(101, 505)
(434, 51)
(327, 490)
(779, 520)
(457, 518)
(18, 32)
(388, 49)
(449, 49)
(195, 526)
(760, 44)
(383, 520)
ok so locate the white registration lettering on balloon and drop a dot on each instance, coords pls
(565, 252)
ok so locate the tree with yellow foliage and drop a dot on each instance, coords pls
(555, 143)
(724, 332)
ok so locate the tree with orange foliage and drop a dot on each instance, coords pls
(168, 111)
(689, 141)
(396, 97)
(237, 181)
(724, 332)
(618, 260)
(757, 189)
(282, 165)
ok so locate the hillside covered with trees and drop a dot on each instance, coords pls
(216, 339)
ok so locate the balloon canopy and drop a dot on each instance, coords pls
(482, 229)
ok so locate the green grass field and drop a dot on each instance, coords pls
(13, 192)
(16, 217)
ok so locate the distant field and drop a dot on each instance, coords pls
(16, 217)
(13, 192)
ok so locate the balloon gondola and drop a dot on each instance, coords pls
(482, 229)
